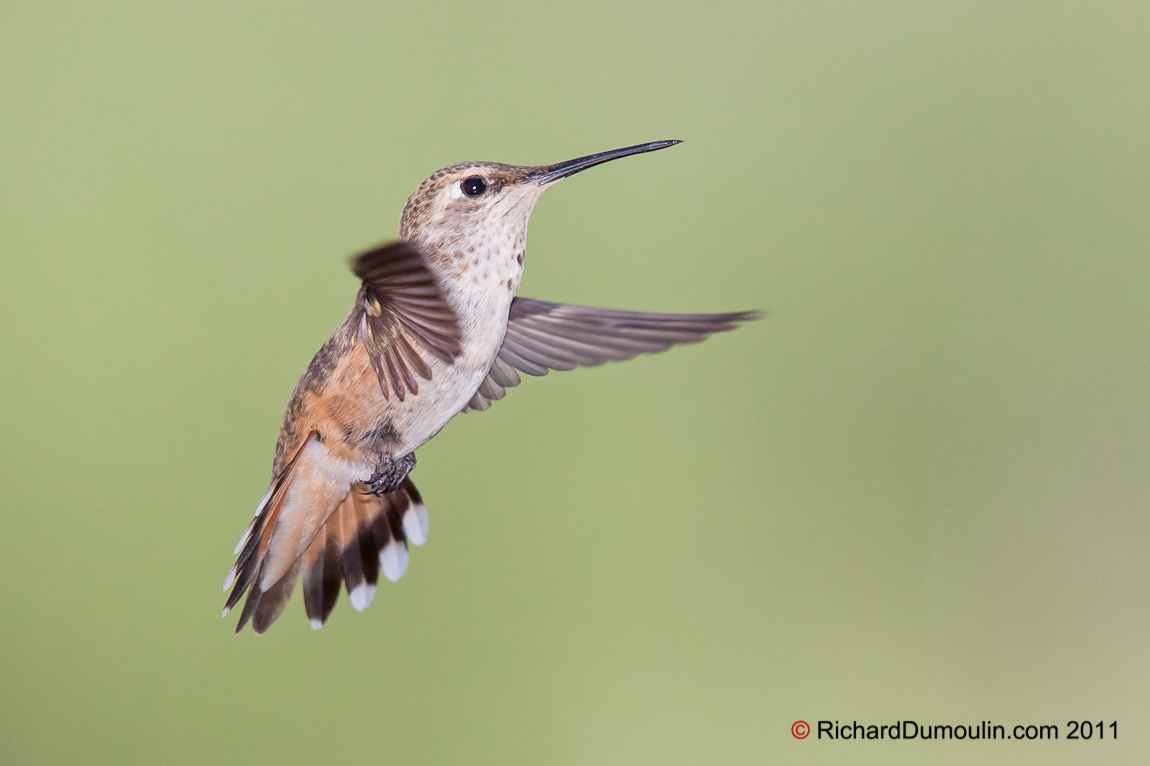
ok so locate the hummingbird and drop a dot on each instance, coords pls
(437, 329)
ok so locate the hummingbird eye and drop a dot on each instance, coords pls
(474, 186)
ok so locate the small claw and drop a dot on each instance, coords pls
(390, 473)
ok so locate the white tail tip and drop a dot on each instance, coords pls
(393, 560)
(243, 539)
(361, 596)
(315, 624)
(264, 499)
(415, 524)
(231, 578)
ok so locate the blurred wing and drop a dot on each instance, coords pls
(545, 336)
(400, 311)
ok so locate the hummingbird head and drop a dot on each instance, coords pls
(484, 206)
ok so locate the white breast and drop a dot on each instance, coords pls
(480, 290)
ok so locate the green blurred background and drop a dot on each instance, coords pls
(917, 490)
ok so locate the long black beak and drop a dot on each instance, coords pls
(552, 173)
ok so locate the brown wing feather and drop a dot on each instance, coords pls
(545, 336)
(400, 310)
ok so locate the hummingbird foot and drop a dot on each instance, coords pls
(390, 473)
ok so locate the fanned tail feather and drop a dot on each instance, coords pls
(253, 546)
(363, 535)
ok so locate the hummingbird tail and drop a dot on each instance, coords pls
(365, 535)
(329, 530)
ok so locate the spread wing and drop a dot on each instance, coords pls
(400, 312)
(545, 336)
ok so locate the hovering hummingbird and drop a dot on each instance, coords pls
(437, 329)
